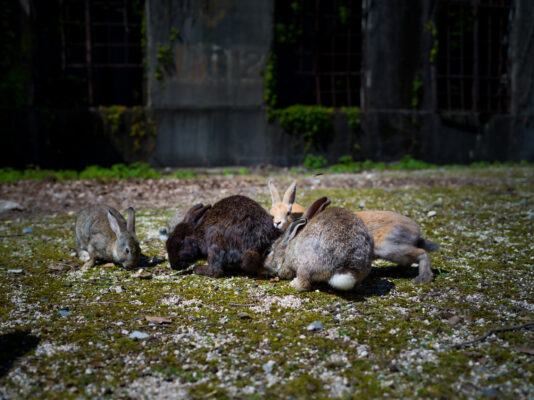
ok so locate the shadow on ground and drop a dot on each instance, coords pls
(14, 345)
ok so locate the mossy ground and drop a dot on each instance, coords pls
(389, 338)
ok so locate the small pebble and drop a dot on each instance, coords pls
(431, 214)
(27, 230)
(244, 315)
(64, 313)
(15, 271)
(315, 326)
(269, 366)
(138, 335)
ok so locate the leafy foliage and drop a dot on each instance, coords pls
(313, 124)
(313, 162)
(353, 114)
(117, 171)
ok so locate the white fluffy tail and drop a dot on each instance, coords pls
(344, 281)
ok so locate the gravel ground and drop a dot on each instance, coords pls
(108, 333)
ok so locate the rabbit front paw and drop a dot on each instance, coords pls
(299, 285)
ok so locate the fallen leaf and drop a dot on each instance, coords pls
(158, 320)
(108, 265)
(55, 267)
(527, 350)
(483, 361)
(276, 279)
(96, 364)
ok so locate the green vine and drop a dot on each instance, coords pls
(431, 28)
(165, 56)
(417, 95)
(353, 114)
(137, 122)
(113, 117)
(287, 28)
(269, 80)
(313, 124)
(142, 127)
(343, 12)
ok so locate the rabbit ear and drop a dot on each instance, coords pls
(289, 196)
(317, 206)
(130, 225)
(275, 196)
(293, 229)
(190, 213)
(198, 215)
(114, 224)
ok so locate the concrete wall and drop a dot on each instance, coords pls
(209, 105)
(210, 102)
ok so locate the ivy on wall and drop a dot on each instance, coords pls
(311, 124)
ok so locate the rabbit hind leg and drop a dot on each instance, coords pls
(420, 257)
(425, 272)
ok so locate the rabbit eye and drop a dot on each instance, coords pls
(127, 250)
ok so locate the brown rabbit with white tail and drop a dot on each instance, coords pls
(281, 210)
(102, 234)
(396, 238)
(324, 246)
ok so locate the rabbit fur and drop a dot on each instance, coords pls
(331, 246)
(102, 234)
(286, 210)
(233, 234)
(397, 238)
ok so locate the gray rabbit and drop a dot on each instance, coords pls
(331, 246)
(102, 234)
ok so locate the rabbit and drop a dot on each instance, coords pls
(234, 233)
(175, 219)
(102, 234)
(398, 239)
(283, 212)
(331, 246)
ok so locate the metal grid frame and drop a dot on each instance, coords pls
(100, 37)
(472, 60)
(330, 51)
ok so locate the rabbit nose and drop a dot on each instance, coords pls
(277, 224)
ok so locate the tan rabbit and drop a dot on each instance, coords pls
(281, 210)
(396, 238)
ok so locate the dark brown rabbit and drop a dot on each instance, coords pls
(233, 234)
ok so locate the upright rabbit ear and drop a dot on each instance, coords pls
(114, 224)
(275, 196)
(198, 215)
(293, 229)
(130, 225)
(190, 213)
(317, 206)
(289, 196)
